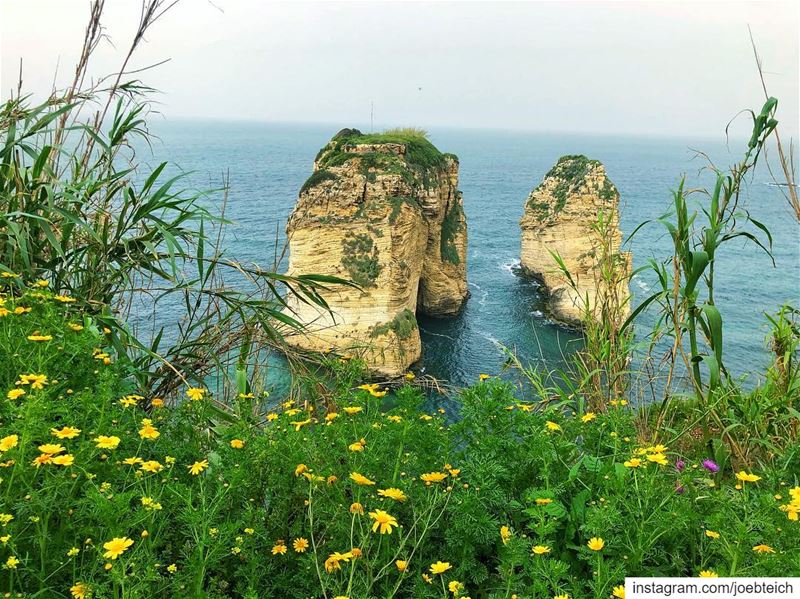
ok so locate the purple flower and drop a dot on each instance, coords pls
(679, 488)
(680, 465)
(710, 466)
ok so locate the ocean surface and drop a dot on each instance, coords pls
(267, 164)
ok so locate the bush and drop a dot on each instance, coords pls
(197, 507)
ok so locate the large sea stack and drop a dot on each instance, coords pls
(383, 211)
(560, 218)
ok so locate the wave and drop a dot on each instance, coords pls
(491, 339)
(640, 283)
(510, 267)
(427, 332)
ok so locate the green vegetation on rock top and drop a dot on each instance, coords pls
(420, 162)
(571, 171)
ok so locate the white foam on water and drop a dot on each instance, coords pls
(509, 267)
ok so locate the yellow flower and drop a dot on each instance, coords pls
(41, 283)
(237, 443)
(375, 393)
(127, 402)
(150, 504)
(332, 563)
(279, 548)
(44, 458)
(67, 432)
(64, 299)
(360, 479)
(392, 493)
(708, 574)
(633, 463)
(540, 549)
(5, 518)
(148, 431)
(552, 426)
(73, 552)
(455, 587)
(543, 501)
(36, 381)
(11, 563)
(298, 424)
(75, 327)
(410, 376)
(79, 590)
(341, 597)
(172, 568)
(763, 549)
(51, 448)
(353, 409)
(64, 460)
(151, 466)
(158, 403)
(358, 445)
(747, 477)
(8, 442)
(300, 545)
(658, 458)
(40, 337)
(195, 393)
(330, 417)
(440, 567)
(618, 591)
(384, 521)
(564, 596)
(596, 544)
(483, 377)
(15, 394)
(300, 469)
(104, 442)
(588, 417)
(505, 534)
(198, 467)
(427, 578)
(116, 547)
(712, 534)
(357, 508)
(433, 477)
(402, 565)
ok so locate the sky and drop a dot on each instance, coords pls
(641, 68)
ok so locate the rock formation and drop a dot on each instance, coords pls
(382, 211)
(561, 216)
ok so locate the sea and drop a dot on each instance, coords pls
(266, 164)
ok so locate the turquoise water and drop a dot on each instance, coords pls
(268, 163)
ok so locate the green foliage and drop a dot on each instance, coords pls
(360, 259)
(403, 325)
(78, 210)
(319, 176)
(552, 477)
(451, 227)
(419, 162)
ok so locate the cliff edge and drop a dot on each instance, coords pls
(561, 216)
(384, 211)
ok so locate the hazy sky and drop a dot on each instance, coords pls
(621, 67)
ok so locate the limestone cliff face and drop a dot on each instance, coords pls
(560, 214)
(383, 211)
